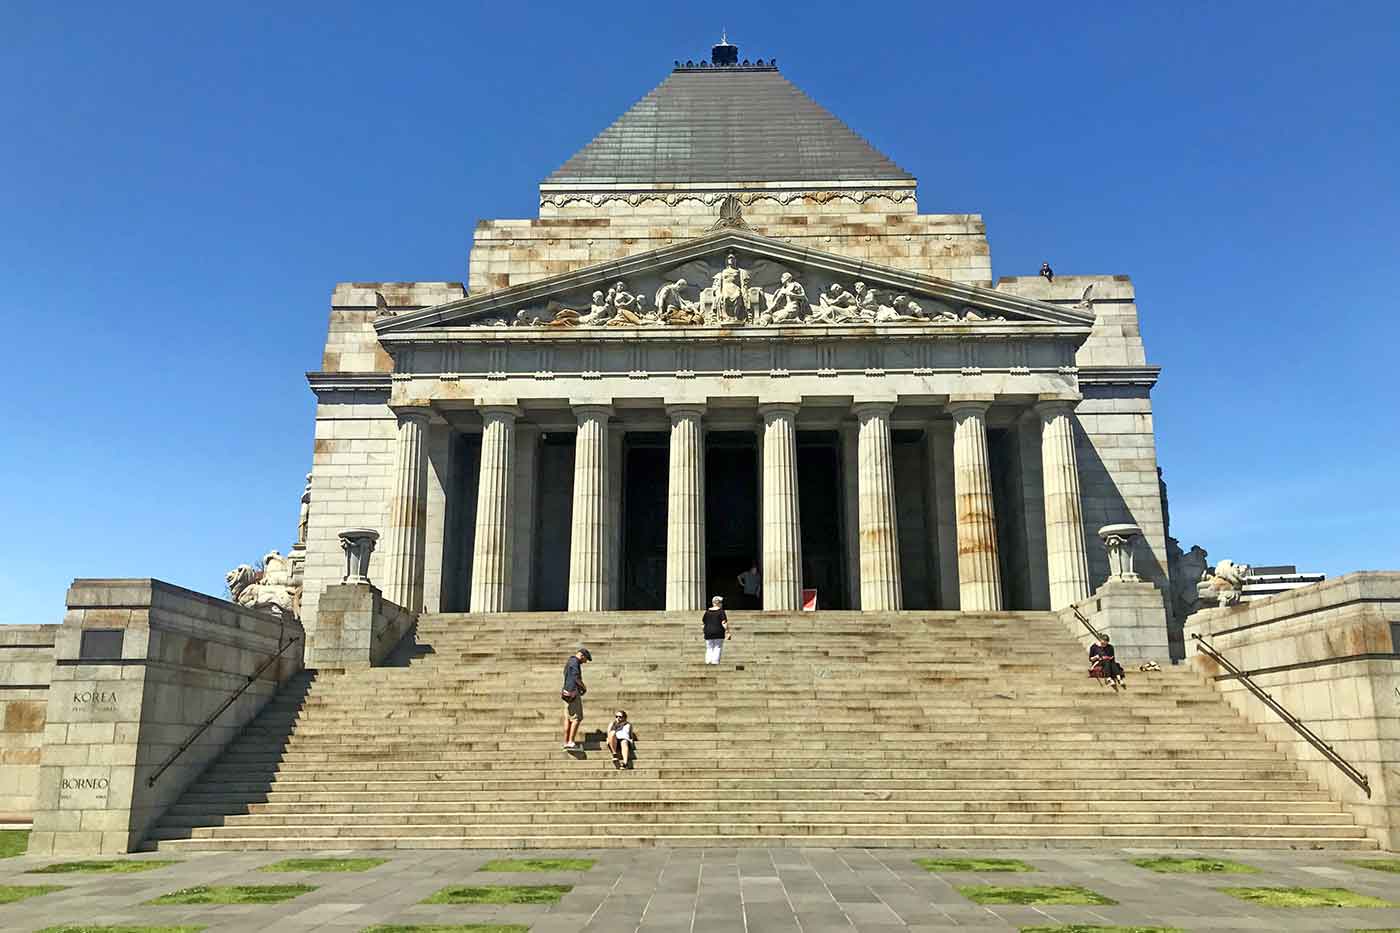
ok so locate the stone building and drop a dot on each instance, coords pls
(730, 337)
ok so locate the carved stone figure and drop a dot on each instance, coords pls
(304, 516)
(731, 287)
(834, 306)
(1086, 302)
(1185, 569)
(867, 302)
(270, 588)
(787, 304)
(598, 312)
(1225, 584)
(671, 297)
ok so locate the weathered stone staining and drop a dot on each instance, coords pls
(589, 580)
(979, 569)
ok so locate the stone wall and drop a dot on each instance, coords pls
(26, 664)
(1330, 654)
(513, 252)
(139, 666)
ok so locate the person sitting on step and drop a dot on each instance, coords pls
(1104, 665)
(621, 740)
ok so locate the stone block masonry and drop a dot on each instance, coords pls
(139, 665)
(1330, 654)
(26, 663)
(355, 628)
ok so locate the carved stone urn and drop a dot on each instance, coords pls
(358, 545)
(1118, 541)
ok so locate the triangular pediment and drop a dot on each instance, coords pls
(767, 282)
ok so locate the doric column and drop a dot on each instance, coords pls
(939, 438)
(879, 530)
(850, 496)
(408, 513)
(685, 510)
(979, 574)
(1066, 557)
(588, 541)
(782, 528)
(492, 555)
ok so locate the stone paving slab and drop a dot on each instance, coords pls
(712, 891)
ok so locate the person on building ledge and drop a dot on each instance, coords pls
(621, 740)
(1104, 665)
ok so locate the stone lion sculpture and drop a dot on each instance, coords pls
(1225, 584)
(271, 588)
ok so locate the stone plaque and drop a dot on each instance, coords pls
(93, 699)
(84, 788)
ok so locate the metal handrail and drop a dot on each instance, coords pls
(1087, 624)
(252, 678)
(1312, 738)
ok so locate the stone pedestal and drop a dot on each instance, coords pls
(355, 629)
(685, 511)
(140, 665)
(979, 570)
(405, 540)
(589, 580)
(782, 530)
(492, 555)
(1134, 616)
(1066, 558)
(879, 529)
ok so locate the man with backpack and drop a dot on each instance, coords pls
(572, 694)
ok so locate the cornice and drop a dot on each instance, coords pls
(348, 382)
(1119, 375)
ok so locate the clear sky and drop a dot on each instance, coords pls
(182, 184)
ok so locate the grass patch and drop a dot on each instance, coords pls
(501, 894)
(83, 928)
(325, 864)
(235, 894)
(13, 842)
(121, 866)
(1041, 894)
(9, 893)
(451, 928)
(1081, 928)
(1376, 864)
(973, 864)
(1194, 866)
(1306, 897)
(538, 864)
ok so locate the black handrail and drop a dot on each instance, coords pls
(252, 678)
(1087, 624)
(1311, 737)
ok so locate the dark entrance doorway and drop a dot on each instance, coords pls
(645, 467)
(731, 514)
(820, 498)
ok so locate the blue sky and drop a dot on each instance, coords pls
(181, 185)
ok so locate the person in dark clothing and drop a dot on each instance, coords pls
(572, 694)
(716, 630)
(1046, 272)
(1103, 664)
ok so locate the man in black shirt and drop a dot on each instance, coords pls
(572, 694)
(716, 630)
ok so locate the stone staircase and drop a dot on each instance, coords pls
(829, 729)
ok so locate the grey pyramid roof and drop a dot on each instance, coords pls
(738, 124)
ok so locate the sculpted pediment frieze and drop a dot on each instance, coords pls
(737, 279)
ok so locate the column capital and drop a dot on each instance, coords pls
(500, 412)
(678, 410)
(1054, 404)
(770, 410)
(418, 412)
(591, 410)
(865, 408)
(962, 405)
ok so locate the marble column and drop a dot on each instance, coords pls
(979, 573)
(939, 439)
(1066, 555)
(492, 555)
(782, 528)
(685, 510)
(850, 489)
(589, 582)
(879, 529)
(405, 543)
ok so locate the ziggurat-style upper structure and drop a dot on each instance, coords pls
(730, 312)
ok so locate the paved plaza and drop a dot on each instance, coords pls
(712, 890)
